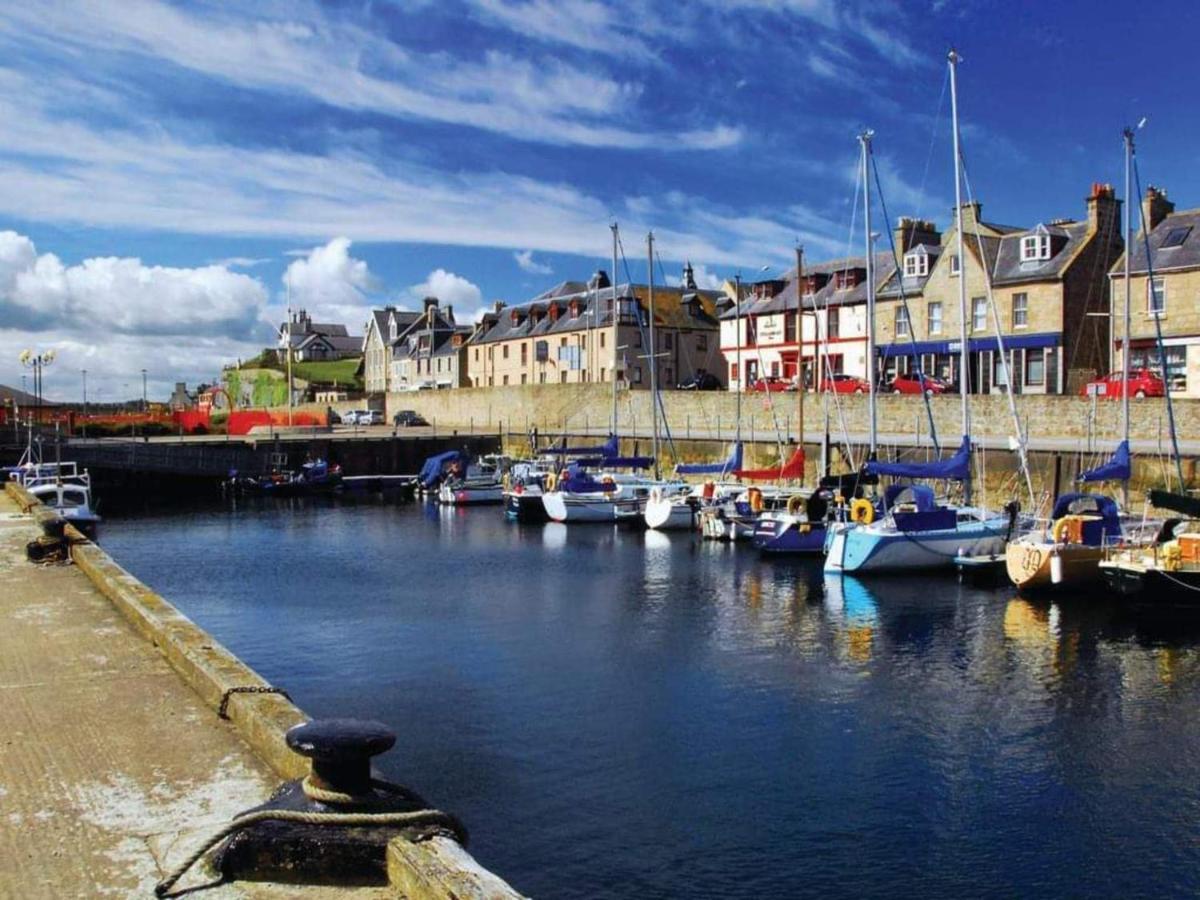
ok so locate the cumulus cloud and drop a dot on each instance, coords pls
(527, 263)
(449, 289)
(115, 316)
(331, 284)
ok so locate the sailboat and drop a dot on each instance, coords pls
(915, 532)
(680, 510)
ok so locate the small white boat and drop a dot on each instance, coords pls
(610, 497)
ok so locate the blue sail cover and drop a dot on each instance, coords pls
(957, 467)
(730, 465)
(611, 447)
(1116, 469)
(431, 471)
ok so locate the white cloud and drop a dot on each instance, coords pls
(526, 263)
(349, 67)
(450, 289)
(331, 284)
(240, 262)
(706, 280)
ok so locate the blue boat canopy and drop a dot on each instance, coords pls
(957, 467)
(919, 494)
(431, 471)
(1118, 468)
(730, 465)
(1093, 505)
(611, 447)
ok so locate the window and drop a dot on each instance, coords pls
(935, 318)
(637, 338)
(999, 373)
(733, 372)
(916, 264)
(954, 267)
(979, 313)
(505, 380)
(774, 368)
(504, 353)
(833, 322)
(702, 342)
(1035, 247)
(602, 341)
(542, 377)
(563, 378)
(1020, 311)
(1156, 298)
(476, 354)
(524, 378)
(637, 374)
(789, 328)
(901, 322)
(1175, 238)
(1035, 367)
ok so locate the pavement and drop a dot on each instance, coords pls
(111, 768)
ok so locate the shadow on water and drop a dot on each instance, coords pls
(637, 715)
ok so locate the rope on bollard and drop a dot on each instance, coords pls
(418, 817)
(222, 710)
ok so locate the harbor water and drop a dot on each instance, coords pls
(633, 715)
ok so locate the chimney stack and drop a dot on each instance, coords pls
(970, 216)
(448, 314)
(1155, 207)
(911, 232)
(497, 306)
(430, 303)
(1103, 209)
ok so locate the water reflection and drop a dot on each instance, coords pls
(551, 681)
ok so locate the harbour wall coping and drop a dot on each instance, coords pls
(437, 869)
(588, 407)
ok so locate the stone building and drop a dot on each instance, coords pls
(383, 329)
(570, 335)
(1049, 290)
(1170, 303)
(315, 341)
(430, 353)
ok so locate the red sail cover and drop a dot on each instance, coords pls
(792, 469)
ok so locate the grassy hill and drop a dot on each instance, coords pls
(336, 370)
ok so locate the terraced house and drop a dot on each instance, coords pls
(1050, 292)
(1169, 302)
(429, 354)
(570, 335)
(801, 326)
(383, 330)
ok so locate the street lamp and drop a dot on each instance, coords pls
(37, 362)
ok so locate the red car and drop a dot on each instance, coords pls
(844, 384)
(772, 384)
(1142, 383)
(910, 383)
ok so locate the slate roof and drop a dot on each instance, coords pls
(788, 298)
(1185, 256)
(404, 318)
(595, 311)
(1065, 241)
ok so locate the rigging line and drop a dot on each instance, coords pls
(1022, 455)
(937, 118)
(1162, 350)
(904, 302)
(658, 401)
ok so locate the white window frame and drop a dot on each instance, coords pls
(901, 322)
(916, 264)
(931, 318)
(1023, 309)
(1152, 311)
(955, 268)
(979, 322)
(1035, 247)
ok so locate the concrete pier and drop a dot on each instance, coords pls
(116, 765)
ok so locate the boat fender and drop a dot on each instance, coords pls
(862, 512)
(656, 495)
(794, 503)
(506, 482)
(754, 495)
(1061, 530)
(551, 482)
(1056, 569)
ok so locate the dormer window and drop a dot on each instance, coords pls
(1175, 237)
(1035, 247)
(916, 264)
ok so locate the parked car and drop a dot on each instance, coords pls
(355, 417)
(912, 383)
(408, 418)
(701, 381)
(371, 417)
(845, 384)
(772, 384)
(1142, 383)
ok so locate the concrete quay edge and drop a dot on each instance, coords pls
(436, 869)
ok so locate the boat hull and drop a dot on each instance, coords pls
(870, 549)
(1030, 565)
(663, 514)
(525, 507)
(789, 536)
(1151, 584)
(470, 495)
(562, 507)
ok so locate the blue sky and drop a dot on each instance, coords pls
(164, 163)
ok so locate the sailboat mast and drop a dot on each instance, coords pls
(801, 387)
(653, 353)
(741, 376)
(865, 140)
(288, 273)
(1128, 295)
(964, 381)
(616, 329)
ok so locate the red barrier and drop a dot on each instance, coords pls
(241, 421)
(192, 419)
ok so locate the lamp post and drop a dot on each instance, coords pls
(37, 362)
(83, 372)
